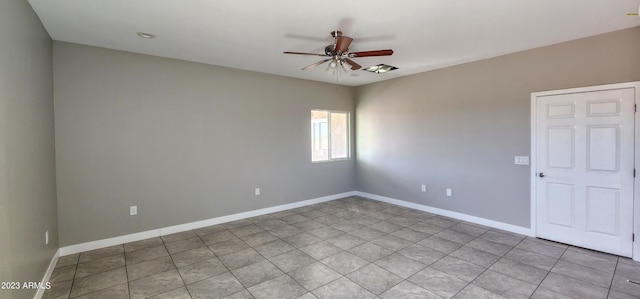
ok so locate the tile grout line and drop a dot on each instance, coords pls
(73, 280)
(317, 260)
(486, 269)
(345, 275)
(185, 284)
(267, 259)
(612, 277)
(549, 271)
(342, 251)
(126, 271)
(398, 252)
(174, 264)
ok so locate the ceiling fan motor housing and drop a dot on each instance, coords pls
(329, 50)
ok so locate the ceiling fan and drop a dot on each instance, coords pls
(339, 54)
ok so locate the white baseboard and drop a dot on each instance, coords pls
(67, 250)
(47, 275)
(72, 249)
(460, 216)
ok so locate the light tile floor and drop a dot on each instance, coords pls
(347, 248)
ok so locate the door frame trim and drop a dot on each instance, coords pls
(636, 181)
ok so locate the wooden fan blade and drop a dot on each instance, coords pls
(342, 45)
(371, 53)
(354, 65)
(315, 64)
(303, 53)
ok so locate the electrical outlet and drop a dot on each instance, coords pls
(257, 191)
(133, 210)
(424, 188)
(449, 192)
(46, 238)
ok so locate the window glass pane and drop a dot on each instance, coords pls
(319, 135)
(339, 135)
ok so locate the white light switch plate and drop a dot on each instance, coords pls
(522, 160)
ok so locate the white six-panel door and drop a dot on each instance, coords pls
(584, 169)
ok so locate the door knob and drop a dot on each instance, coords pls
(541, 174)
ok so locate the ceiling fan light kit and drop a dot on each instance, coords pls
(339, 55)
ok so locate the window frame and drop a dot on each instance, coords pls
(348, 132)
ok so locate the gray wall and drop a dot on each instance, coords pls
(460, 127)
(186, 142)
(27, 164)
(182, 141)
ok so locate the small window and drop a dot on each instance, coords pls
(329, 135)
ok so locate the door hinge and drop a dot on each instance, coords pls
(635, 107)
(633, 237)
(634, 172)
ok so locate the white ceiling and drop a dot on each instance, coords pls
(252, 34)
